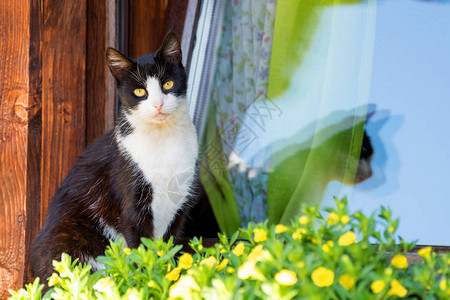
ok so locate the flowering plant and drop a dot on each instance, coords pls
(321, 255)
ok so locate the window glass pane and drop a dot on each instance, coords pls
(410, 87)
(311, 99)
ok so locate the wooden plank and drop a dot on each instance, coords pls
(100, 89)
(146, 30)
(17, 108)
(33, 178)
(63, 92)
(145, 24)
(174, 16)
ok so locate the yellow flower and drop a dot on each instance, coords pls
(160, 253)
(327, 246)
(377, 286)
(347, 281)
(286, 277)
(127, 251)
(391, 229)
(399, 261)
(303, 220)
(322, 277)
(297, 235)
(260, 235)
(247, 270)
(230, 270)
(425, 252)
(347, 239)
(239, 249)
(388, 271)
(280, 229)
(346, 259)
(186, 261)
(54, 279)
(258, 253)
(132, 295)
(333, 218)
(443, 284)
(174, 274)
(209, 262)
(222, 265)
(397, 289)
(152, 284)
(103, 284)
(183, 286)
(345, 219)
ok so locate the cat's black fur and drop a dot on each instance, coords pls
(364, 170)
(105, 186)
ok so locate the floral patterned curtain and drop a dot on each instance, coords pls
(241, 79)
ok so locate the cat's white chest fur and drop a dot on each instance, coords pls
(166, 156)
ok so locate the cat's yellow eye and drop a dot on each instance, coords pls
(139, 92)
(168, 85)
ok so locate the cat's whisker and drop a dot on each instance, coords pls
(136, 77)
(158, 68)
(140, 76)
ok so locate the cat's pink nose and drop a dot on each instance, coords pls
(158, 106)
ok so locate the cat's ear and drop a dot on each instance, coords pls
(171, 48)
(117, 63)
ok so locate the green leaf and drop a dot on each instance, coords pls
(234, 237)
(172, 252)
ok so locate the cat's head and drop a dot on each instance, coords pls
(152, 88)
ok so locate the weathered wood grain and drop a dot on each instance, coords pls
(63, 91)
(100, 88)
(147, 26)
(17, 108)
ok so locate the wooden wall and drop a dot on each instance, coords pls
(63, 91)
(47, 115)
(57, 96)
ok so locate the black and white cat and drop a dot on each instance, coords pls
(134, 181)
